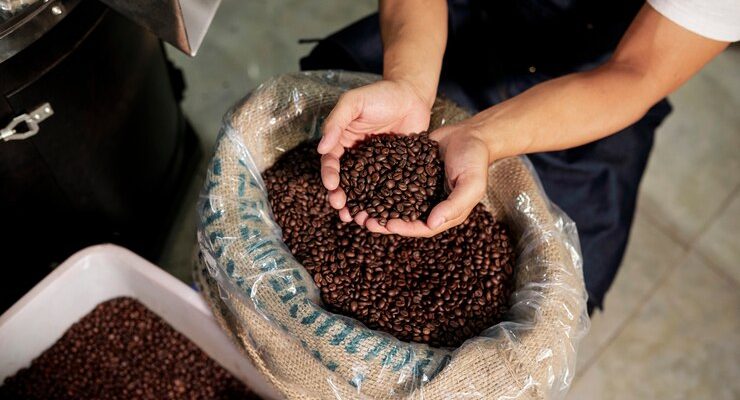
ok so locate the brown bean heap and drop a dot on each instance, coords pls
(121, 350)
(441, 291)
(393, 176)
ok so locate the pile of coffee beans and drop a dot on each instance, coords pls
(121, 350)
(393, 176)
(441, 291)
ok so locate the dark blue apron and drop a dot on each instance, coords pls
(497, 50)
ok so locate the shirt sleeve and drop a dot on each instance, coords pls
(714, 19)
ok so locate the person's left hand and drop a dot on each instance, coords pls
(466, 159)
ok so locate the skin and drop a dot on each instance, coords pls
(654, 58)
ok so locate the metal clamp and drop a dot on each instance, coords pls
(31, 120)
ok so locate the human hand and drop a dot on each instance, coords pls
(385, 106)
(466, 160)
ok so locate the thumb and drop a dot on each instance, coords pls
(467, 192)
(348, 108)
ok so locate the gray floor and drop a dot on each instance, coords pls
(671, 328)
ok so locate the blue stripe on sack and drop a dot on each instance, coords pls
(316, 354)
(258, 245)
(294, 311)
(269, 266)
(287, 297)
(240, 282)
(230, 265)
(332, 365)
(215, 236)
(243, 164)
(276, 285)
(217, 166)
(303, 343)
(310, 319)
(242, 185)
(420, 366)
(442, 364)
(297, 275)
(265, 254)
(406, 359)
(377, 349)
(389, 356)
(250, 217)
(246, 234)
(339, 337)
(219, 251)
(321, 330)
(253, 182)
(211, 185)
(213, 217)
(351, 347)
(290, 295)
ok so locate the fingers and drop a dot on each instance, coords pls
(344, 215)
(361, 217)
(330, 171)
(337, 199)
(467, 192)
(411, 229)
(374, 226)
(330, 177)
(348, 108)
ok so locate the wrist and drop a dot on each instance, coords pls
(501, 135)
(425, 92)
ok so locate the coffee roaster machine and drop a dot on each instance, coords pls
(94, 146)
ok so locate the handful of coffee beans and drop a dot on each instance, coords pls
(440, 290)
(393, 176)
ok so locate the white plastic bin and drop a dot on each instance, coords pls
(100, 273)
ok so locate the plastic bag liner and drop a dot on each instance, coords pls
(269, 304)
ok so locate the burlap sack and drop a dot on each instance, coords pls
(266, 300)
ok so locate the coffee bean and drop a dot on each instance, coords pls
(121, 350)
(389, 282)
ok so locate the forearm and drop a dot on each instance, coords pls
(565, 112)
(414, 36)
(655, 57)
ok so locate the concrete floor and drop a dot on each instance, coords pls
(671, 326)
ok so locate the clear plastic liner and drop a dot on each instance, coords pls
(268, 302)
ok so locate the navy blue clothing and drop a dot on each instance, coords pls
(491, 57)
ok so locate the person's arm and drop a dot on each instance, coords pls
(655, 57)
(414, 34)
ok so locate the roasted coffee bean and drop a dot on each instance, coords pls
(401, 159)
(121, 350)
(462, 277)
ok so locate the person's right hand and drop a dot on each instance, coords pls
(382, 107)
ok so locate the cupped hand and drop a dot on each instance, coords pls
(382, 107)
(466, 160)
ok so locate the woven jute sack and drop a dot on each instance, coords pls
(270, 306)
